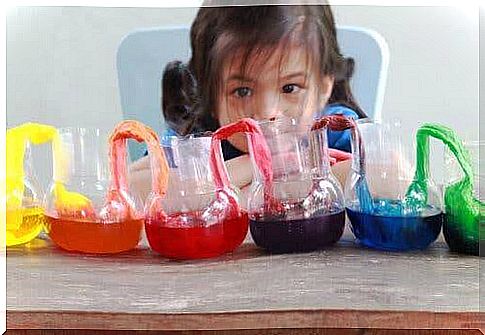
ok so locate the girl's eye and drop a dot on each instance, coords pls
(242, 92)
(290, 88)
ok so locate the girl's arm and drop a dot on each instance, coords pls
(239, 169)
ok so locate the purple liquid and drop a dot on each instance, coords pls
(298, 235)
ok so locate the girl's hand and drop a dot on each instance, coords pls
(141, 164)
(390, 177)
(243, 201)
(140, 177)
(341, 170)
(240, 171)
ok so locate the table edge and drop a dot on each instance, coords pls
(314, 318)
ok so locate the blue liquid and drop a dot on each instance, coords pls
(387, 229)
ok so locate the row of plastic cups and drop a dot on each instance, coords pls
(204, 215)
(294, 203)
(200, 217)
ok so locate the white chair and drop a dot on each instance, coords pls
(143, 54)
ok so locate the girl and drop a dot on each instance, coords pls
(262, 62)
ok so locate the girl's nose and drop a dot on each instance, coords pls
(268, 108)
(270, 116)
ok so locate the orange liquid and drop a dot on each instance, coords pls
(94, 237)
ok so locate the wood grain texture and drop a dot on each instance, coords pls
(302, 331)
(244, 320)
(346, 286)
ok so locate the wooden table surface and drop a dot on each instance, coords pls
(346, 286)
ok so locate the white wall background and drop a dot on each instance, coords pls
(61, 62)
(433, 70)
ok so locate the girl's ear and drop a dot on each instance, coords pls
(326, 88)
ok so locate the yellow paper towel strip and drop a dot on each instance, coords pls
(17, 138)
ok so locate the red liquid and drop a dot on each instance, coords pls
(94, 237)
(170, 239)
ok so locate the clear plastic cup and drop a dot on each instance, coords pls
(197, 217)
(295, 204)
(384, 213)
(82, 212)
(24, 211)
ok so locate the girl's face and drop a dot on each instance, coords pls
(278, 82)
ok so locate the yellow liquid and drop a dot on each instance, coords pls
(32, 223)
(24, 225)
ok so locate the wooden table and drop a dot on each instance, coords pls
(344, 287)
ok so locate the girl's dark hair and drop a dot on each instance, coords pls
(179, 92)
(190, 90)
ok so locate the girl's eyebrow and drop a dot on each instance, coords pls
(293, 75)
(239, 77)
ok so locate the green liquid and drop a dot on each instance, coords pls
(464, 226)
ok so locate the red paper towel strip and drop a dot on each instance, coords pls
(262, 157)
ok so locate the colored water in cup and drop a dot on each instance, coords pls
(199, 216)
(380, 211)
(464, 226)
(24, 212)
(86, 208)
(295, 203)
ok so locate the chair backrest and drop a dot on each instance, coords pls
(143, 54)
